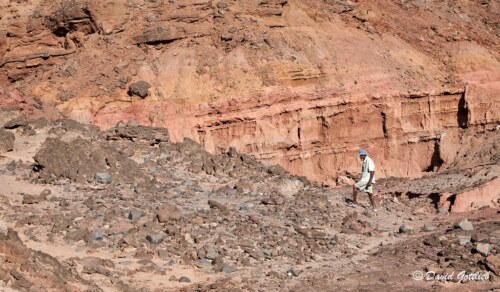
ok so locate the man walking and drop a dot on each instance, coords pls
(365, 184)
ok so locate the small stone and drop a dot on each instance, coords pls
(493, 263)
(429, 227)
(121, 66)
(495, 237)
(211, 253)
(134, 214)
(164, 254)
(188, 238)
(443, 238)
(184, 279)
(229, 269)
(155, 239)
(222, 5)
(30, 199)
(120, 227)
(168, 213)
(465, 225)
(483, 249)
(125, 263)
(103, 177)
(480, 237)
(203, 264)
(139, 88)
(188, 182)
(405, 229)
(463, 240)
(443, 211)
(292, 272)
(151, 17)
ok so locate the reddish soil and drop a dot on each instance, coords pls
(197, 144)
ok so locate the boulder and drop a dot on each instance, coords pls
(134, 214)
(480, 237)
(493, 263)
(465, 225)
(16, 123)
(139, 88)
(405, 228)
(155, 238)
(168, 213)
(483, 249)
(103, 177)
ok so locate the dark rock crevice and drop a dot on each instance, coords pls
(436, 160)
(462, 113)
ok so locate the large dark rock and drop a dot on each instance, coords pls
(16, 123)
(139, 88)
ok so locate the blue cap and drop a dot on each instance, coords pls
(362, 152)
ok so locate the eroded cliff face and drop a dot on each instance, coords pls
(408, 135)
(301, 83)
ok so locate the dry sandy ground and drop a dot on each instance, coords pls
(304, 238)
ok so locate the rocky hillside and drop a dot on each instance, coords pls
(299, 83)
(129, 210)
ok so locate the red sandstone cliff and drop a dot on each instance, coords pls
(300, 83)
